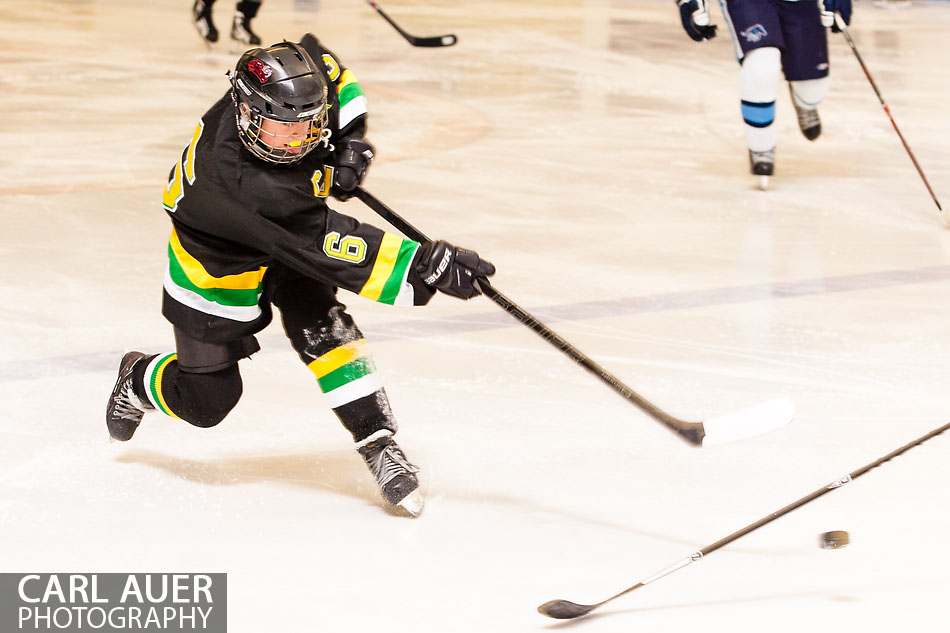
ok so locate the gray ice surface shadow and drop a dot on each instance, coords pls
(344, 473)
(341, 471)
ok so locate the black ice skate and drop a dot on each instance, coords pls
(808, 120)
(762, 165)
(125, 410)
(201, 13)
(394, 473)
(241, 32)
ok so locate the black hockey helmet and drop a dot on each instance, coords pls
(280, 99)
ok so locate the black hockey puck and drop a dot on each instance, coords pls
(833, 540)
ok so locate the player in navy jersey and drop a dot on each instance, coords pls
(772, 36)
(251, 229)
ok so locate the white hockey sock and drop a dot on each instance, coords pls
(809, 93)
(758, 88)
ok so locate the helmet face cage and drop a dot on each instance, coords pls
(280, 102)
(275, 140)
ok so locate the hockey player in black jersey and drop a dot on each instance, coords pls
(251, 229)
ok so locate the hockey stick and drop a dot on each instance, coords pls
(847, 36)
(567, 610)
(756, 420)
(425, 42)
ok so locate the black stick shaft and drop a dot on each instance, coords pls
(575, 354)
(380, 11)
(887, 110)
(426, 42)
(692, 432)
(566, 610)
(822, 491)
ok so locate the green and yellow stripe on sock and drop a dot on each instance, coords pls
(153, 382)
(346, 373)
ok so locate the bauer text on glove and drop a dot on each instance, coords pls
(453, 270)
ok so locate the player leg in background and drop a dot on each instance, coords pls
(201, 14)
(756, 31)
(199, 384)
(758, 89)
(805, 62)
(806, 97)
(330, 344)
(241, 32)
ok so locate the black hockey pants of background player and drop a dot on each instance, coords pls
(241, 33)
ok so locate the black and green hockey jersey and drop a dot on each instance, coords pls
(234, 216)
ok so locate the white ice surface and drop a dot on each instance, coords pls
(596, 156)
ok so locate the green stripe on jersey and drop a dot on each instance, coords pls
(349, 92)
(398, 276)
(223, 296)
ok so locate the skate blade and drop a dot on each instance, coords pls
(413, 503)
(764, 183)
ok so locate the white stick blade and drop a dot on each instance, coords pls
(756, 420)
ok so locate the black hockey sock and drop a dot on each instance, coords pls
(347, 376)
(204, 399)
(248, 7)
(368, 415)
(199, 399)
(330, 344)
(138, 377)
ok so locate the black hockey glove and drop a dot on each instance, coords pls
(695, 17)
(828, 10)
(453, 270)
(352, 162)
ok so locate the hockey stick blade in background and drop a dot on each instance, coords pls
(757, 420)
(424, 42)
(567, 610)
